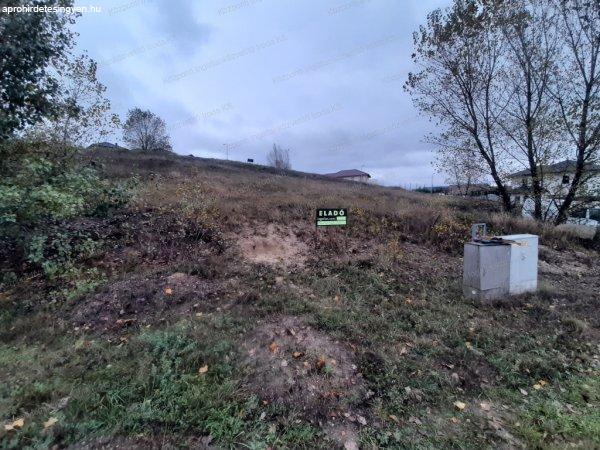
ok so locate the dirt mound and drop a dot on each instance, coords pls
(291, 364)
(272, 245)
(134, 302)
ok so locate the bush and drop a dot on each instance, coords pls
(42, 186)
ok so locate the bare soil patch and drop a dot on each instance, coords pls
(272, 244)
(138, 301)
(291, 364)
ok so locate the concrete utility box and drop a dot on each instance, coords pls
(494, 270)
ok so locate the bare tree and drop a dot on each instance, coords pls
(459, 53)
(279, 157)
(463, 167)
(520, 80)
(528, 119)
(578, 89)
(145, 131)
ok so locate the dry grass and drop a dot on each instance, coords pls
(230, 196)
(369, 319)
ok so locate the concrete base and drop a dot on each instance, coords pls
(483, 295)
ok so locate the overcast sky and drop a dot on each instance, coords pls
(322, 78)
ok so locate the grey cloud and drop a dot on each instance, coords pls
(178, 19)
(374, 127)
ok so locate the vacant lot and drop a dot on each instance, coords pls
(212, 314)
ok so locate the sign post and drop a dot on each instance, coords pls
(327, 217)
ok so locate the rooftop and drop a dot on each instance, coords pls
(568, 165)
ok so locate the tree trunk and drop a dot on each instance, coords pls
(581, 151)
(504, 195)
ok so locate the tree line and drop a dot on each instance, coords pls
(512, 84)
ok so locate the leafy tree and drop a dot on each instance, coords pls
(279, 158)
(83, 112)
(145, 131)
(30, 44)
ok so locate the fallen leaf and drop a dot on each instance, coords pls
(469, 345)
(537, 387)
(454, 420)
(273, 347)
(50, 422)
(394, 418)
(124, 321)
(361, 420)
(203, 369)
(542, 383)
(321, 362)
(168, 291)
(485, 406)
(460, 405)
(16, 424)
(523, 391)
(297, 354)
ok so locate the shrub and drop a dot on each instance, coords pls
(41, 187)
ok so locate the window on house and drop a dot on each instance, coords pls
(595, 214)
(565, 179)
(578, 213)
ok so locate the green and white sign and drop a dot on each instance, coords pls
(327, 217)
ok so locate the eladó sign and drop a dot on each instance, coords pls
(332, 217)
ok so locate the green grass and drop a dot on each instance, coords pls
(149, 383)
(409, 332)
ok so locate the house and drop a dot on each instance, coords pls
(556, 181)
(350, 175)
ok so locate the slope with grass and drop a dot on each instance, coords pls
(217, 316)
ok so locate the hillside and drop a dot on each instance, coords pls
(211, 313)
